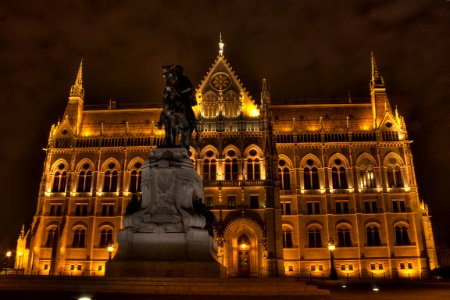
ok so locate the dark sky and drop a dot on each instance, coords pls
(304, 48)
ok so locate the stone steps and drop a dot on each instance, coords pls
(164, 286)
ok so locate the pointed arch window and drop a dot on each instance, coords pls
(79, 238)
(394, 176)
(84, 181)
(135, 178)
(231, 166)
(110, 179)
(284, 175)
(59, 182)
(209, 169)
(135, 181)
(373, 236)
(344, 237)
(311, 178)
(339, 175)
(106, 237)
(401, 235)
(367, 177)
(253, 169)
(51, 238)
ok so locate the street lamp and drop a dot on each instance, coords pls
(331, 247)
(110, 250)
(8, 257)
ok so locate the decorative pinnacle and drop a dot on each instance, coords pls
(221, 44)
(77, 88)
(376, 78)
(22, 232)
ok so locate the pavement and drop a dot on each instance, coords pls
(340, 290)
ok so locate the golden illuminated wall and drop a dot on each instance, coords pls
(280, 179)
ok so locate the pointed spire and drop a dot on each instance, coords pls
(77, 88)
(221, 44)
(22, 232)
(349, 97)
(265, 96)
(377, 80)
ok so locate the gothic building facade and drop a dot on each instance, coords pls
(283, 181)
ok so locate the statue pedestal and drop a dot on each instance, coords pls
(168, 235)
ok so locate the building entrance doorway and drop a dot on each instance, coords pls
(244, 256)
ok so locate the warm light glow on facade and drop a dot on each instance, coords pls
(277, 185)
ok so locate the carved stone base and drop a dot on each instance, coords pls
(164, 269)
(193, 245)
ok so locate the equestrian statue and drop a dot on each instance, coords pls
(177, 116)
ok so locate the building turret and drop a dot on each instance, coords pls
(74, 108)
(380, 101)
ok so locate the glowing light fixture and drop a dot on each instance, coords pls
(8, 254)
(331, 245)
(375, 289)
(110, 249)
(85, 298)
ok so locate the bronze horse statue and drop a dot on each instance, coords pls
(177, 116)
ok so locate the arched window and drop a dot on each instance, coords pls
(315, 178)
(366, 177)
(106, 237)
(284, 175)
(253, 169)
(394, 174)
(84, 181)
(344, 237)
(231, 166)
(314, 237)
(401, 235)
(339, 175)
(287, 237)
(51, 238)
(307, 178)
(209, 169)
(110, 180)
(373, 236)
(79, 237)
(135, 181)
(60, 179)
(135, 178)
(311, 178)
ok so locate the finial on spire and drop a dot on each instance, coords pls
(22, 232)
(221, 44)
(376, 78)
(77, 88)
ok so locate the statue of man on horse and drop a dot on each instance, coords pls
(177, 116)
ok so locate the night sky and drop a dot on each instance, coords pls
(305, 49)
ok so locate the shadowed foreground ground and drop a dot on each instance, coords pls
(398, 290)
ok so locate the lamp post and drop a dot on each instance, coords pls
(8, 257)
(110, 251)
(331, 247)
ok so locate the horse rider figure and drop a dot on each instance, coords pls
(177, 116)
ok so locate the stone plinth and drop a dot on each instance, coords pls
(169, 233)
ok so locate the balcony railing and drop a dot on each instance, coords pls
(341, 191)
(312, 192)
(232, 183)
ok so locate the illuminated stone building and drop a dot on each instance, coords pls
(282, 180)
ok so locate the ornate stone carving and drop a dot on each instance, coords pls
(172, 223)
